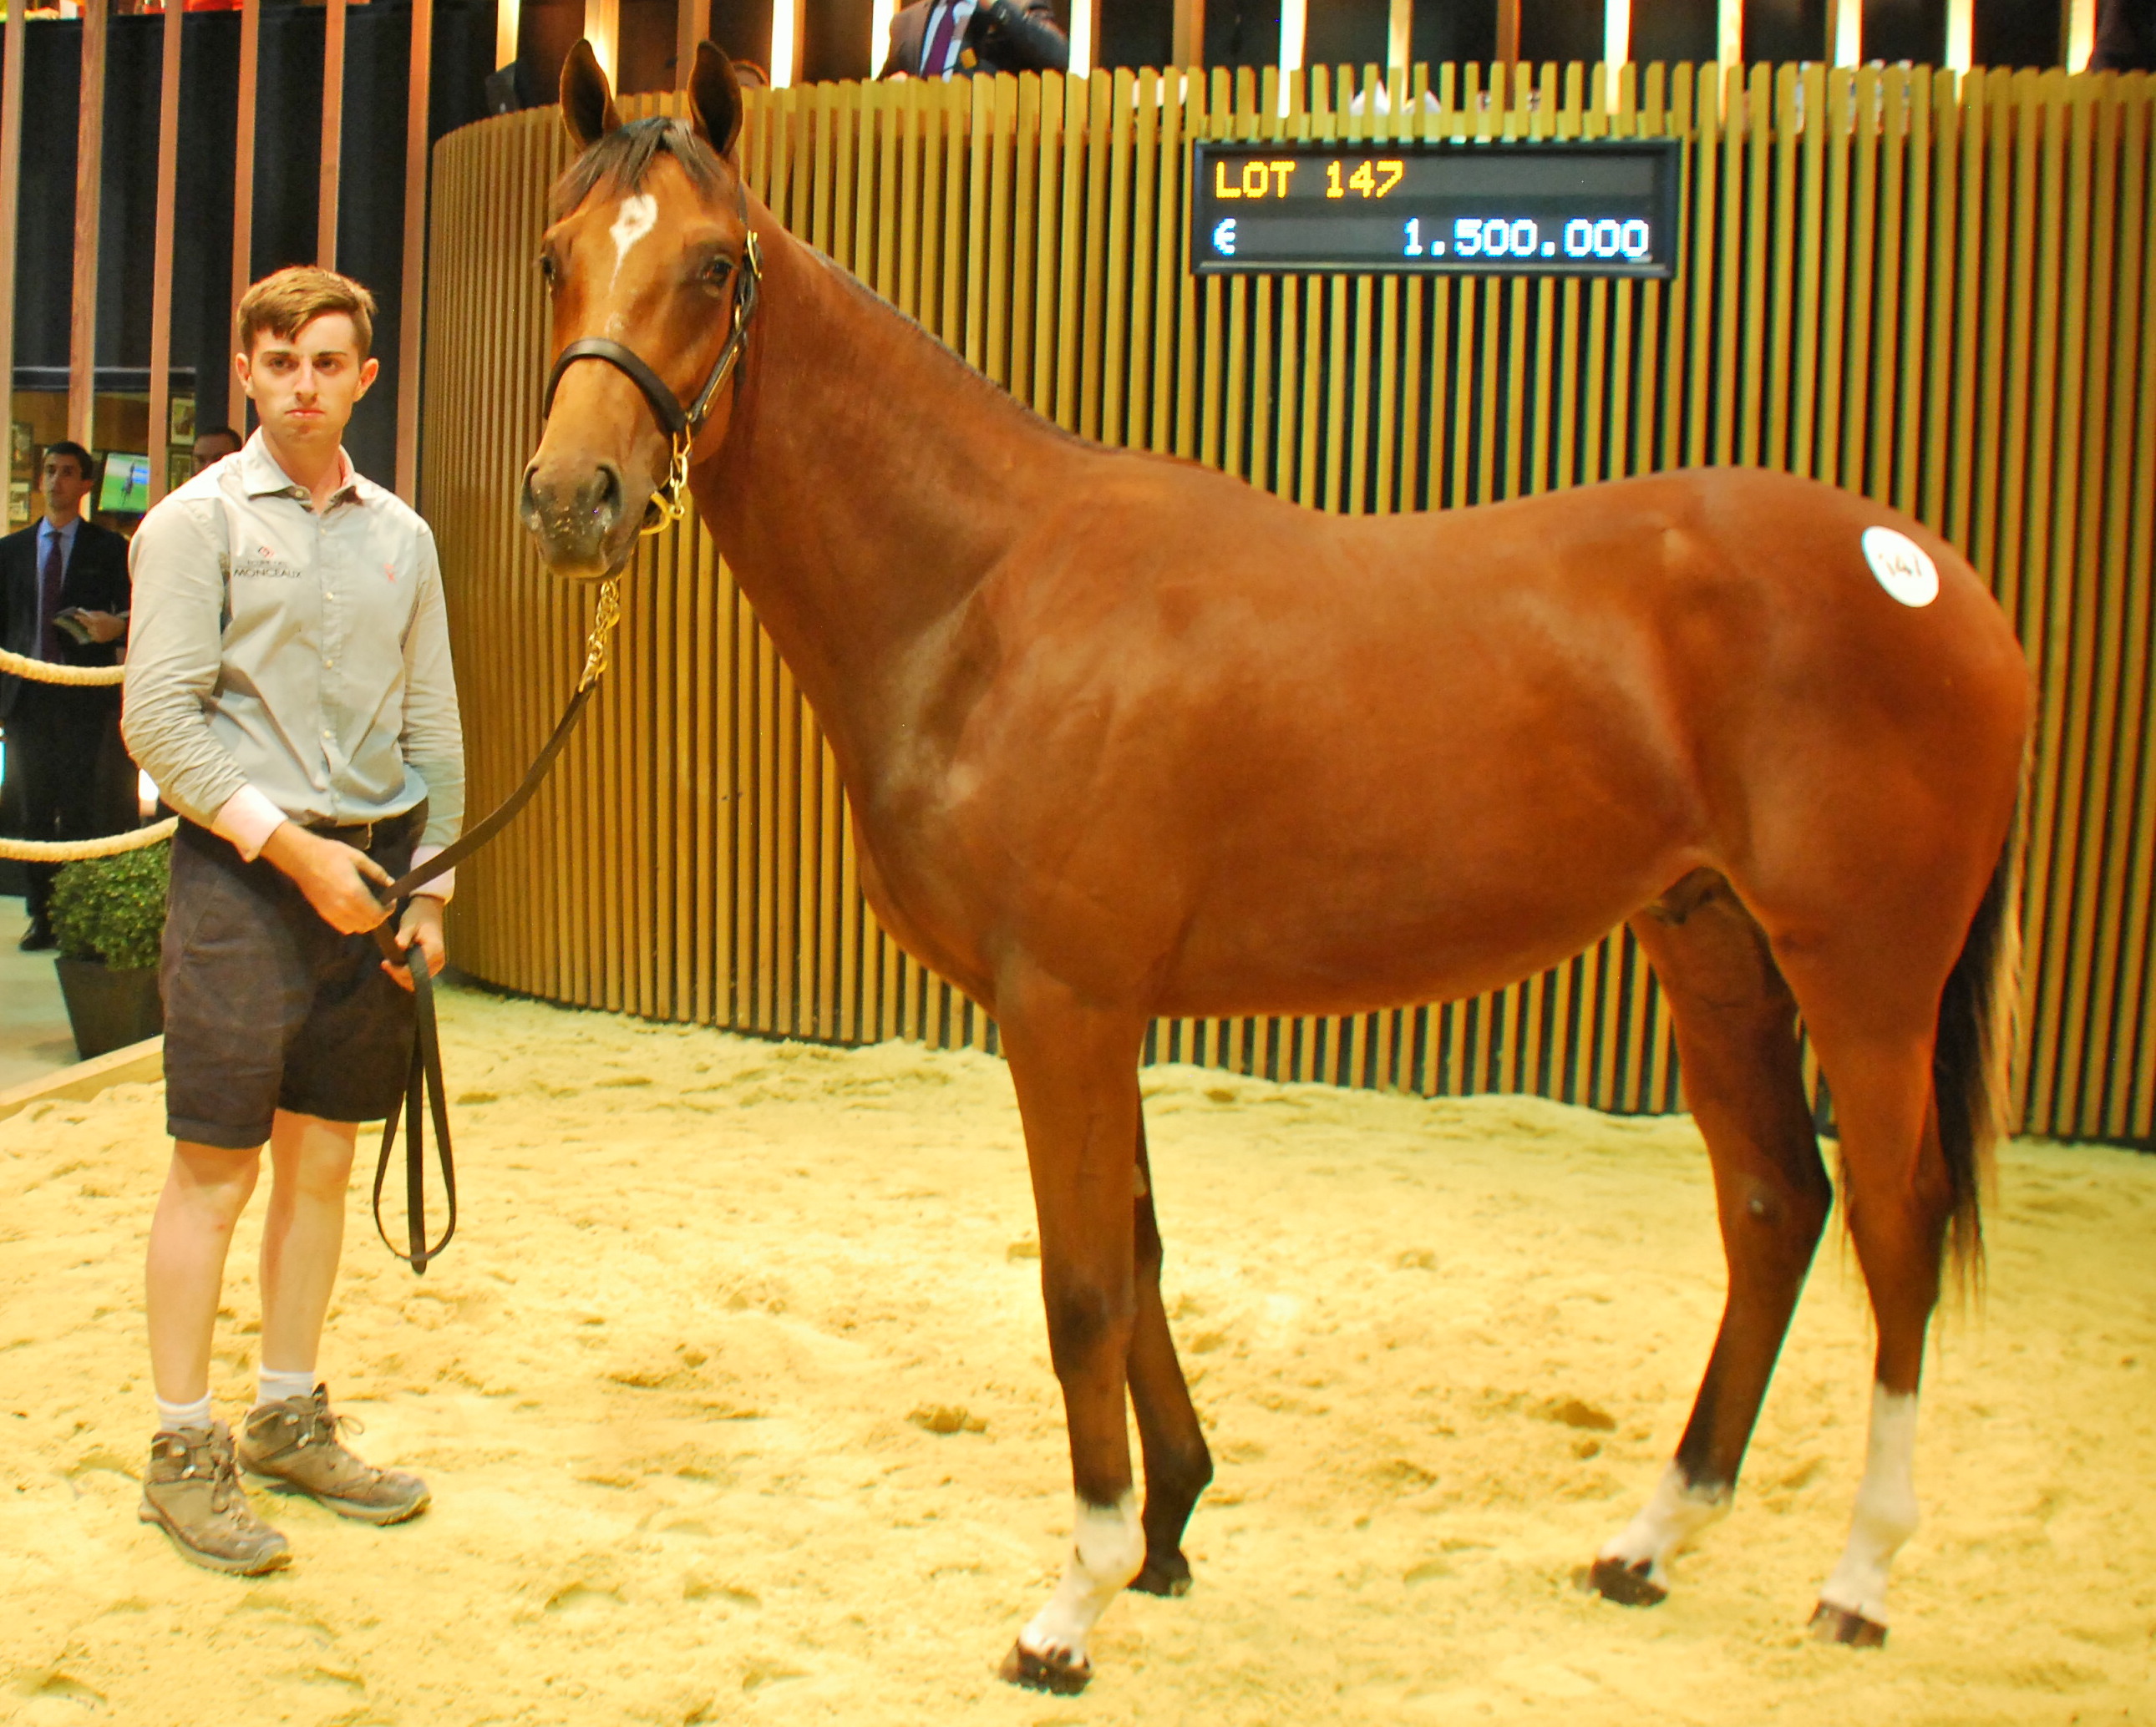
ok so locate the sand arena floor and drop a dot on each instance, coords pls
(683, 1383)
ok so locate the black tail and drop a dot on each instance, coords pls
(1973, 1049)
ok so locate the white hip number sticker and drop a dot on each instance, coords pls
(1904, 568)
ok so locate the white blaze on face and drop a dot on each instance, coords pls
(637, 216)
(1885, 1509)
(1107, 1549)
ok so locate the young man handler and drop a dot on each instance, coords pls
(289, 691)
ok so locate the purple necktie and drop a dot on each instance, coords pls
(938, 60)
(48, 601)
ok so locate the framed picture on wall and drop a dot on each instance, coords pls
(182, 415)
(179, 464)
(20, 449)
(19, 502)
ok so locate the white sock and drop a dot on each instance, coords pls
(172, 1416)
(272, 1386)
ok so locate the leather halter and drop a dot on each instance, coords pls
(681, 425)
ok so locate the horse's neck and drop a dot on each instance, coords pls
(866, 485)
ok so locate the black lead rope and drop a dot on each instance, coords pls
(424, 1075)
(667, 506)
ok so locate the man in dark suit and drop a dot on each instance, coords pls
(2125, 37)
(935, 38)
(62, 598)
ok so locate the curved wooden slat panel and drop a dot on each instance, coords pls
(1934, 289)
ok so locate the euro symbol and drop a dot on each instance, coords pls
(1223, 238)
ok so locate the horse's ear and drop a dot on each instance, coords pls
(587, 109)
(715, 98)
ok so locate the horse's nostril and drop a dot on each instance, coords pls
(606, 500)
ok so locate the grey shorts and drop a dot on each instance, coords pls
(269, 1008)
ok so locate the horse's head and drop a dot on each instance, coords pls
(652, 268)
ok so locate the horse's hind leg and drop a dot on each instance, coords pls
(1178, 1466)
(1901, 1200)
(1737, 1039)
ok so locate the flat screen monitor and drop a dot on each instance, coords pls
(125, 489)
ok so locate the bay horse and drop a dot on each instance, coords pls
(1124, 737)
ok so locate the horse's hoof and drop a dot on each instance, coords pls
(1627, 1585)
(1837, 1625)
(1044, 1672)
(1164, 1574)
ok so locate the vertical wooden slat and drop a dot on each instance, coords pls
(12, 42)
(172, 36)
(242, 174)
(88, 188)
(2045, 596)
(332, 141)
(411, 325)
(692, 24)
(603, 30)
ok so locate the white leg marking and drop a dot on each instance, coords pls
(1106, 1551)
(1885, 1509)
(1670, 1523)
(637, 215)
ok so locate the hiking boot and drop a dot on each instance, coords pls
(192, 1491)
(294, 1443)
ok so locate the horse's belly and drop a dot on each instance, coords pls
(1345, 953)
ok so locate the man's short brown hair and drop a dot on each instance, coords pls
(285, 303)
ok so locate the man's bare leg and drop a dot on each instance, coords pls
(302, 1236)
(205, 1190)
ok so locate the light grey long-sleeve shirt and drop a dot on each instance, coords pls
(286, 664)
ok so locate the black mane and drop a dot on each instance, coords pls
(623, 157)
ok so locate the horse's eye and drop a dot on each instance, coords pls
(717, 270)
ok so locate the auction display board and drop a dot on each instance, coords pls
(1491, 207)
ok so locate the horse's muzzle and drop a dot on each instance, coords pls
(576, 516)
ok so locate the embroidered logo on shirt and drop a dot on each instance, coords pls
(263, 562)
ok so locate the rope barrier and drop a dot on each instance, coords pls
(44, 671)
(76, 851)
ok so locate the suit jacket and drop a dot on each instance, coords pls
(96, 580)
(1035, 42)
(2125, 37)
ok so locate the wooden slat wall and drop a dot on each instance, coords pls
(1937, 290)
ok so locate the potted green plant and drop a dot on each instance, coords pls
(108, 916)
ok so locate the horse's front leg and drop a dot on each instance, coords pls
(1076, 1071)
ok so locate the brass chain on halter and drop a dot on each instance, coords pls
(605, 615)
(668, 505)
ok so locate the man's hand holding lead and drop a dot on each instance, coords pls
(335, 877)
(423, 923)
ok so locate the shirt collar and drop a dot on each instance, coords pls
(262, 477)
(45, 529)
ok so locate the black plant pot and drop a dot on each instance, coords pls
(110, 1009)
